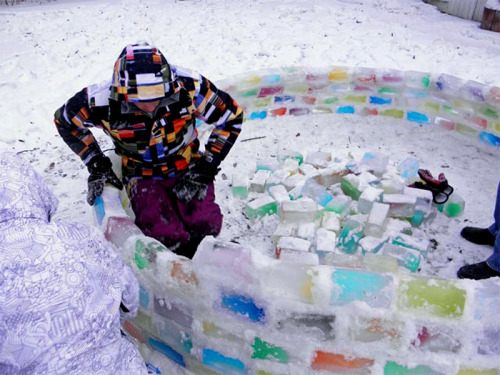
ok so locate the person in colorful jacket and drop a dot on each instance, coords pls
(149, 110)
(63, 289)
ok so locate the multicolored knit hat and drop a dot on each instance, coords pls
(142, 74)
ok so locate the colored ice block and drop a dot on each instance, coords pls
(392, 368)
(167, 351)
(340, 363)
(409, 167)
(243, 306)
(318, 325)
(412, 242)
(316, 192)
(240, 186)
(356, 285)
(366, 329)
(349, 237)
(222, 363)
(406, 257)
(349, 185)
(145, 251)
(455, 206)
(434, 297)
(375, 162)
(260, 207)
(339, 205)
(266, 351)
(177, 313)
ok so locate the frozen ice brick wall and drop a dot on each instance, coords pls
(234, 310)
(467, 107)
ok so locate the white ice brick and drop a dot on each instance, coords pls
(325, 240)
(279, 193)
(306, 231)
(258, 182)
(330, 221)
(368, 197)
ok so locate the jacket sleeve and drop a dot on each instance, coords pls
(217, 107)
(73, 120)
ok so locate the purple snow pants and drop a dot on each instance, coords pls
(178, 225)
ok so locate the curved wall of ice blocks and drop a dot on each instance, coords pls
(234, 311)
(467, 107)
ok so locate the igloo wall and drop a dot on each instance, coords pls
(232, 310)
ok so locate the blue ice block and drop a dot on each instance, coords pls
(353, 285)
(489, 138)
(345, 109)
(143, 297)
(284, 99)
(244, 306)
(99, 209)
(167, 351)
(417, 117)
(409, 167)
(219, 362)
(316, 192)
(258, 115)
(380, 100)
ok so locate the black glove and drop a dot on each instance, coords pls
(101, 172)
(195, 181)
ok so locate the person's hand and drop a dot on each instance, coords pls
(194, 182)
(101, 172)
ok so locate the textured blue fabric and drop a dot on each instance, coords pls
(494, 260)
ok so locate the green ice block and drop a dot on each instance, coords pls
(431, 296)
(397, 113)
(392, 368)
(267, 351)
(261, 207)
(349, 189)
(240, 192)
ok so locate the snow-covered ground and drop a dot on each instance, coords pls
(53, 49)
(50, 50)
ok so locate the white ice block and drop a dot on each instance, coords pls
(279, 193)
(300, 210)
(319, 159)
(283, 230)
(330, 221)
(375, 162)
(424, 198)
(258, 181)
(294, 181)
(377, 219)
(367, 197)
(307, 231)
(308, 170)
(401, 205)
(325, 240)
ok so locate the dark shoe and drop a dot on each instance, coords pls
(478, 271)
(480, 236)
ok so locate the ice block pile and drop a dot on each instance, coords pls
(340, 212)
(467, 107)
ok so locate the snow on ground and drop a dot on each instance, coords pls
(53, 49)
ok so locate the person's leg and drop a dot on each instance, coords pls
(485, 236)
(201, 218)
(494, 260)
(156, 214)
(495, 227)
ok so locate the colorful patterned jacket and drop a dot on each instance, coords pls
(158, 146)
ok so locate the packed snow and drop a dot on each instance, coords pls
(51, 50)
